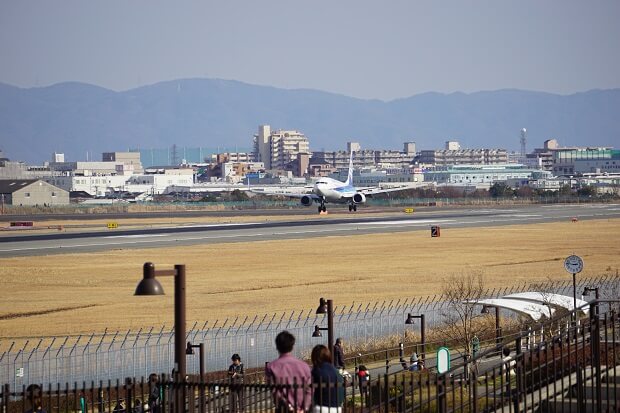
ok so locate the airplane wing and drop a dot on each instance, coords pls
(286, 194)
(379, 190)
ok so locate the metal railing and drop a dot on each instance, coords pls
(111, 356)
(575, 370)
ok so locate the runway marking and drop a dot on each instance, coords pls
(345, 228)
(135, 236)
(406, 222)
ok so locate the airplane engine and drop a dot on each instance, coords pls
(306, 200)
(359, 198)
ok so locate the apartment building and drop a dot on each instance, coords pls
(276, 149)
(445, 157)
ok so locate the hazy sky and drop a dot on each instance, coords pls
(362, 48)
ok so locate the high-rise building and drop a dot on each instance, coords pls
(279, 148)
(353, 147)
(409, 148)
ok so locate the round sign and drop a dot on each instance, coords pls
(573, 264)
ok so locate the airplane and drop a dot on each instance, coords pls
(328, 190)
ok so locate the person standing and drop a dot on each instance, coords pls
(327, 382)
(339, 355)
(155, 389)
(235, 376)
(34, 396)
(291, 376)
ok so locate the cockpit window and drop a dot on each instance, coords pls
(321, 182)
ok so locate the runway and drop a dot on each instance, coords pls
(354, 224)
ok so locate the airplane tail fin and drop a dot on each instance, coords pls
(350, 175)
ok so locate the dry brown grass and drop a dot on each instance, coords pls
(82, 293)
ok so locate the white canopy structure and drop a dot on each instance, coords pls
(556, 300)
(533, 310)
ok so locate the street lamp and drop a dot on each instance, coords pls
(150, 286)
(326, 307)
(410, 320)
(587, 290)
(498, 329)
(189, 350)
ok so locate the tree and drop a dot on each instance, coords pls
(462, 293)
(565, 190)
(524, 192)
(587, 191)
(500, 190)
(238, 195)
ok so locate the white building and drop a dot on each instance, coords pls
(94, 185)
(483, 176)
(161, 181)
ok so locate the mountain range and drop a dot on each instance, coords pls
(74, 118)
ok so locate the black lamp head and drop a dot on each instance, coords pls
(317, 332)
(148, 285)
(322, 308)
(409, 319)
(485, 310)
(189, 349)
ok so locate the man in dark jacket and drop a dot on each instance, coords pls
(338, 355)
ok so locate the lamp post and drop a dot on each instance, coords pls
(326, 306)
(150, 286)
(498, 328)
(189, 350)
(410, 320)
(587, 290)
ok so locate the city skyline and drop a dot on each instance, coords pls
(358, 49)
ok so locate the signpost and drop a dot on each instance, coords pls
(408, 210)
(112, 225)
(574, 264)
(435, 231)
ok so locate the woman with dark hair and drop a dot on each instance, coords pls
(34, 396)
(235, 377)
(327, 382)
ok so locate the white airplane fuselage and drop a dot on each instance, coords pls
(332, 190)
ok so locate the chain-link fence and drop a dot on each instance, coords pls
(118, 355)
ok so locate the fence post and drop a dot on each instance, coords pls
(473, 389)
(595, 336)
(386, 394)
(441, 393)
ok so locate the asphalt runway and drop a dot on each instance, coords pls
(354, 224)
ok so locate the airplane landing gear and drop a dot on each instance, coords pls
(322, 207)
(352, 207)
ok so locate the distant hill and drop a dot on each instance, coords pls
(74, 118)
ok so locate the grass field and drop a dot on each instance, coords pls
(83, 293)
